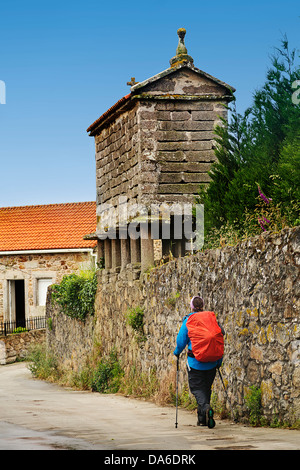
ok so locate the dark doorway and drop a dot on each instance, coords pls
(20, 303)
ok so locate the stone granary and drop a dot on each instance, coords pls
(154, 147)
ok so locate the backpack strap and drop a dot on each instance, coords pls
(187, 316)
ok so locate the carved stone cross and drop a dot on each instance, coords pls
(133, 82)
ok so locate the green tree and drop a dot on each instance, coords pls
(260, 147)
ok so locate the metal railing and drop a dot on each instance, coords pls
(10, 327)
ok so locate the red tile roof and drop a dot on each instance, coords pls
(52, 226)
(110, 110)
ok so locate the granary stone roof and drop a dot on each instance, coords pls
(175, 68)
(181, 61)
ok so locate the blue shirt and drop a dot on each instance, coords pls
(183, 340)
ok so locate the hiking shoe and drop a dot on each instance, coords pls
(201, 417)
(201, 420)
(210, 418)
(201, 423)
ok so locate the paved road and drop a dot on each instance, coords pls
(41, 416)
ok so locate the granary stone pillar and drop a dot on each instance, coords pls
(115, 253)
(100, 253)
(179, 248)
(125, 252)
(107, 253)
(147, 251)
(135, 250)
(166, 247)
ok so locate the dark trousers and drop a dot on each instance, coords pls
(200, 383)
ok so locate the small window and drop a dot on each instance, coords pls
(42, 286)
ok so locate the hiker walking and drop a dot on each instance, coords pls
(204, 338)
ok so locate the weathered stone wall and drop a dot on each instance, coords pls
(71, 340)
(16, 346)
(254, 290)
(176, 147)
(117, 159)
(158, 151)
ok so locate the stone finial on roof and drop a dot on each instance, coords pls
(181, 51)
(132, 82)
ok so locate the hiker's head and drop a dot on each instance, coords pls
(196, 304)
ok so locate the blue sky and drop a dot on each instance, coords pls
(65, 63)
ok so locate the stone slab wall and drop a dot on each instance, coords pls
(117, 159)
(176, 147)
(70, 339)
(16, 346)
(160, 150)
(254, 290)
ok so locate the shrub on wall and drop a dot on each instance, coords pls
(76, 294)
(135, 318)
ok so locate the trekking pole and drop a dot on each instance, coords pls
(177, 374)
(234, 419)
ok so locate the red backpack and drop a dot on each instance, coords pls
(206, 336)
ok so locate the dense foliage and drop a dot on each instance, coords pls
(76, 294)
(107, 376)
(258, 155)
(135, 318)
